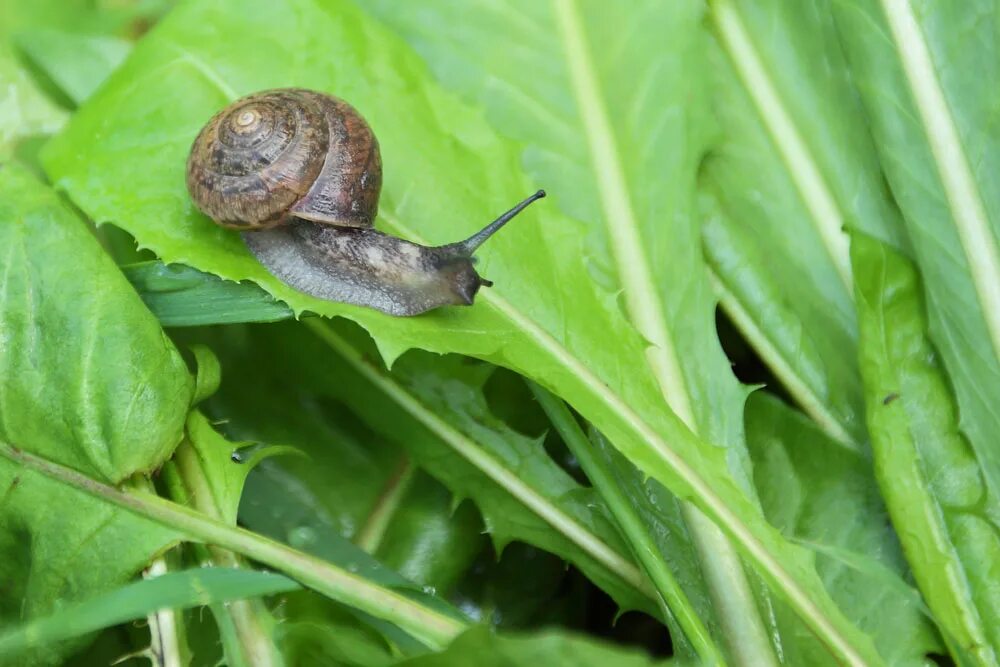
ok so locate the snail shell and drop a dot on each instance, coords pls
(284, 153)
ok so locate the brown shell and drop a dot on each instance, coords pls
(286, 153)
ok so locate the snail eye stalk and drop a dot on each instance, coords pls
(470, 245)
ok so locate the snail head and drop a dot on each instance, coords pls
(456, 261)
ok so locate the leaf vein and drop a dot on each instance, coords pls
(964, 200)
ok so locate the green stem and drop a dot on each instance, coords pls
(427, 625)
(165, 627)
(632, 527)
(164, 639)
(253, 642)
(370, 535)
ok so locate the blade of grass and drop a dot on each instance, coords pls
(181, 296)
(142, 599)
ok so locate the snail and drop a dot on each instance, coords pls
(298, 173)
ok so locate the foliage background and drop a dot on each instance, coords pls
(582, 468)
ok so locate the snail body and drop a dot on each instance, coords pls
(298, 173)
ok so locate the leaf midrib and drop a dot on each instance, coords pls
(961, 191)
(799, 161)
(642, 296)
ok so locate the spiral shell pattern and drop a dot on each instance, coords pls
(286, 153)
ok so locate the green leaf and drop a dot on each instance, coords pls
(323, 634)
(123, 18)
(817, 492)
(25, 111)
(426, 538)
(208, 373)
(352, 482)
(480, 646)
(59, 546)
(91, 379)
(209, 456)
(919, 69)
(344, 466)
(794, 165)
(122, 158)
(299, 521)
(139, 599)
(315, 500)
(76, 63)
(933, 482)
(183, 297)
(283, 508)
(69, 46)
